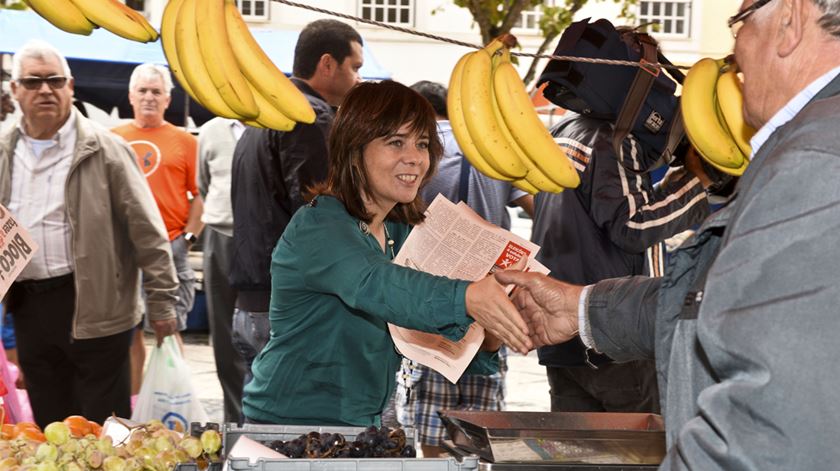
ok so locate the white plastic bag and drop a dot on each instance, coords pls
(167, 393)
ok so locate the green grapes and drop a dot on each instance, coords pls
(211, 441)
(57, 433)
(149, 447)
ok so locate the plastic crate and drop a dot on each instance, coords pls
(269, 433)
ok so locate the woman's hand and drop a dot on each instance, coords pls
(491, 343)
(490, 306)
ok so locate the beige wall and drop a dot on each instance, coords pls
(716, 39)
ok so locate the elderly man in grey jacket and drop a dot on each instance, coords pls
(744, 324)
(77, 190)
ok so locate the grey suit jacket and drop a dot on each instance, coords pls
(744, 324)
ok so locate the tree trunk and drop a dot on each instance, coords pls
(529, 76)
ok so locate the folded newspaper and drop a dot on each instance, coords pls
(16, 249)
(457, 243)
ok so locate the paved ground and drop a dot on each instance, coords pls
(527, 388)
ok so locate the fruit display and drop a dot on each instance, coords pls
(497, 127)
(82, 16)
(374, 442)
(210, 51)
(75, 444)
(712, 109)
(215, 58)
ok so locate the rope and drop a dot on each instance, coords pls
(653, 66)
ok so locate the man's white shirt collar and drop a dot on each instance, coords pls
(791, 109)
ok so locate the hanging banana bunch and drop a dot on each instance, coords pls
(215, 58)
(82, 16)
(210, 52)
(712, 108)
(497, 127)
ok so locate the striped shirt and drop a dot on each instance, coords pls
(613, 224)
(39, 175)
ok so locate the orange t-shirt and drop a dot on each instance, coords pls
(168, 157)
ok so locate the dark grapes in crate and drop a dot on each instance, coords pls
(374, 442)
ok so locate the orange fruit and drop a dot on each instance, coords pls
(21, 426)
(79, 426)
(95, 428)
(28, 430)
(7, 431)
(33, 434)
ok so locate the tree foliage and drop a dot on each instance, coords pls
(12, 5)
(496, 17)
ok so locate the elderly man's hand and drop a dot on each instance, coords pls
(164, 328)
(550, 307)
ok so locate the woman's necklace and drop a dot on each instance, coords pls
(389, 242)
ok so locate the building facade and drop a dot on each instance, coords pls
(688, 29)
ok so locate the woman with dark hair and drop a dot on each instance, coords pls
(330, 359)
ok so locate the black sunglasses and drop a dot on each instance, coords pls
(34, 83)
(742, 15)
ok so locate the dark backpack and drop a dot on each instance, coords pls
(638, 100)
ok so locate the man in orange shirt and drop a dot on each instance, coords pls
(168, 157)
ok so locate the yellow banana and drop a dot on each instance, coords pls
(269, 116)
(218, 58)
(737, 172)
(708, 135)
(167, 40)
(189, 58)
(253, 123)
(523, 185)
(116, 18)
(730, 101)
(535, 176)
(63, 14)
(153, 34)
(275, 87)
(459, 126)
(478, 113)
(520, 117)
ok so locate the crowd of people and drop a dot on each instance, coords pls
(730, 336)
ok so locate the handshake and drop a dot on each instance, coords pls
(540, 310)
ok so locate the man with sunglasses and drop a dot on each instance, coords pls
(77, 189)
(743, 325)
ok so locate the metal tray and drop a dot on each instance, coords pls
(594, 438)
(269, 433)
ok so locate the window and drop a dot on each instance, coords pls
(672, 16)
(254, 10)
(529, 21)
(395, 12)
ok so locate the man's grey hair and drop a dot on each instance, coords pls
(830, 20)
(149, 70)
(37, 49)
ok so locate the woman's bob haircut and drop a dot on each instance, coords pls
(370, 111)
